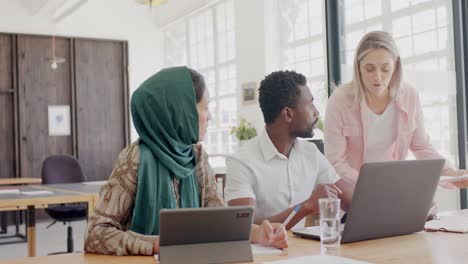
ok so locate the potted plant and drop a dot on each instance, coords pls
(244, 131)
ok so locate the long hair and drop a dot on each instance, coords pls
(372, 41)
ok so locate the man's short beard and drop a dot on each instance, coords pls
(304, 134)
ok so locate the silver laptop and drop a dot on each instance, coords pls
(390, 199)
(205, 235)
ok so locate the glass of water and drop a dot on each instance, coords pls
(330, 235)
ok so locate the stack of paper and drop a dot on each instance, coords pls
(319, 259)
(453, 178)
(457, 224)
(9, 191)
(36, 192)
(94, 183)
(258, 249)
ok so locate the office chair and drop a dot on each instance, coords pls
(64, 169)
(221, 178)
(319, 144)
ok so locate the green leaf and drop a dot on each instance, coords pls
(244, 131)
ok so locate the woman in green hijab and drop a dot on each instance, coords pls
(166, 168)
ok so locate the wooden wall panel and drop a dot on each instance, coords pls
(40, 86)
(7, 151)
(7, 128)
(6, 67)
(100, 99)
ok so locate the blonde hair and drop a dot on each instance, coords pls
(372, 41)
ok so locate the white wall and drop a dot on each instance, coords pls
(250, 54)
(257, 47)
(104, 19)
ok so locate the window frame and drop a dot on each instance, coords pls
(216, 124)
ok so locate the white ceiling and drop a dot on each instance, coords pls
(56, 10)
(59, 10)
(176, 9)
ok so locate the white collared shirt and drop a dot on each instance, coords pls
(276, 182)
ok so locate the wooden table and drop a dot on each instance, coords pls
(84, 188)
(422, 247)
(3, 215)
(20, 181)
(13, 202)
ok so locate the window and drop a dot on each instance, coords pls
(420, 29)
(175, 38)
(206, 43)
(303, 44)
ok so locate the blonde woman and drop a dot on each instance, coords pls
(376, 116)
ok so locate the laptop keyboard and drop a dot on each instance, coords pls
(315, 230)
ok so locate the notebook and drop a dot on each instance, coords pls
(453, 178)
(9, 191)
(40, 192)
(456, 224)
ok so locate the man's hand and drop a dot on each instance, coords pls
(264, 235)
(321, 191)
(432, 212)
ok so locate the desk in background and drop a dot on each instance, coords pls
(84, 188)
(20, 181)
(18, 215)
(16, 201)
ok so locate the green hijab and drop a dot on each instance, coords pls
(165, 116)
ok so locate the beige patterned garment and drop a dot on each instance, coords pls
(107, 231)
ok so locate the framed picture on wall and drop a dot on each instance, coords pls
(59, 120)
(249, 92)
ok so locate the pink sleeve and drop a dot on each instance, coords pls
(420, 143)
(335, 141)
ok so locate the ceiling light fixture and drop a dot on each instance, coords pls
(151, 2)
(54, 60)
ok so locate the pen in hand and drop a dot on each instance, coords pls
(283, 225)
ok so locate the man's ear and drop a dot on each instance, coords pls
(287, 114)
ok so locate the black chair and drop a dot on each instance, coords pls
(319, 144)
(221, 177)
(64, 169)
(321, 147)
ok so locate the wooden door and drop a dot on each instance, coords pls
(40, 86)
(7, 95)
(101, 100)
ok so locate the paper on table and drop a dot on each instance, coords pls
(9, 191)
(453, 223)
(319, 259)
(453, 178)
(94, 183)
(36, 192)
(258, 249)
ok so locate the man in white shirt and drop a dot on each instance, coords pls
(276, 171)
